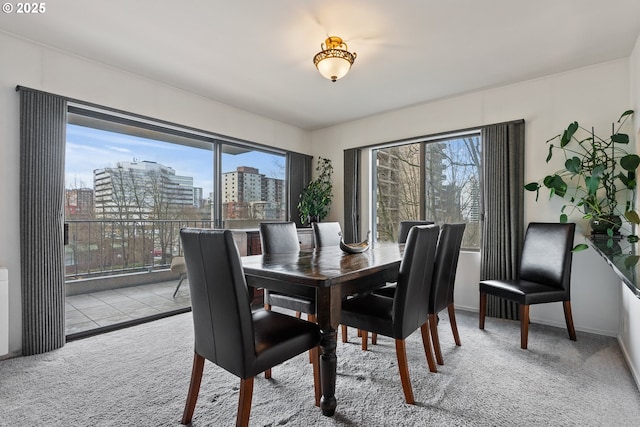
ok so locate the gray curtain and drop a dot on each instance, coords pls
(503, 209)
(351, 232)
(42, 150)
(299, 174)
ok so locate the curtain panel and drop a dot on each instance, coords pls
(351, 232)
(503, 209)
(42, 150)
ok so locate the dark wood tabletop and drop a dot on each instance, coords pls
(334, 274)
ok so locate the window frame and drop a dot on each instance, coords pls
(422, 141)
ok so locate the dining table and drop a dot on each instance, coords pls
(335, 275)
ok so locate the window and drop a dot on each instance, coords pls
(436, 179)
(131, 184)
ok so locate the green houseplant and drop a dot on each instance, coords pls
(315, 199)
(598, 179)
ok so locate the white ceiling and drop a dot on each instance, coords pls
(256, 55)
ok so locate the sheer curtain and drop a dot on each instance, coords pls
(503, 209)
(42, 148)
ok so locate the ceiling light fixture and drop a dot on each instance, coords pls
(334, 61)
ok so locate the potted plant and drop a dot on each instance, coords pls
(315, 199)
(598, 179)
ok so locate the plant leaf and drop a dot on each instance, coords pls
(568, 134)
(556, 184)
(573, 165)
(632, 217)
(564, 219)
(550, 153)
(620, 138)
(532, 186)
(580, 247)
(631, 260)
(592, 183)
(626, 113)
(630, 162)
(632, 238)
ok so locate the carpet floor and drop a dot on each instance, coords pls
(139, 376)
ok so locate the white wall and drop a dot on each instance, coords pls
(41, 68)
(629, 336)
(595, 95)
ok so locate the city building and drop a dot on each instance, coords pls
(141, 190)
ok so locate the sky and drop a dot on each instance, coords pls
(88, 149)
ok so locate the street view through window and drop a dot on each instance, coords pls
(128, 191)
(432, 180)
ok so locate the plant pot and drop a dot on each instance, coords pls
(600, 225)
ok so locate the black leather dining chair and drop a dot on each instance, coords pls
(226, 332)
(407, 311)
(443, 284)
(282, 237)
(405, 226)
(326, 233)
(277, 238)
(389, 289)
(545, 275)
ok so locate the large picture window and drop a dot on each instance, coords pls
(131, 184)
(437, 179)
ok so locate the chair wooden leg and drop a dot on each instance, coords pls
(569, 319)
(298, 314)
(311, 318)
(426, 343)
(267, 374)
(433, 326)
(315, 362)
(365, 340)
(359, 333)
(374, 338)
(267, 307)
(344, 333)
(401, 354)
(524, 325)
(483, 308)
(244, 405)
(194, 388)
(454, 326)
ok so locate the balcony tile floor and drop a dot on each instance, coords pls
(94, 310)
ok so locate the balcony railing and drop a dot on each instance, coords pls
(108, 247)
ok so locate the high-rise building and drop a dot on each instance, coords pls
(140, 190)
(246, 193)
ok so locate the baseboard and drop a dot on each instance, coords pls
(560, 325)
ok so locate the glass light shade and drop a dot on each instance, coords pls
(333, 68)
(334, 60)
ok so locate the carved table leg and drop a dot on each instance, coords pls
(328, 366)
(329, 304)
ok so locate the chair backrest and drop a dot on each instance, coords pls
(546, 254)
(405, 226)
(220, 305)
(326, 233)
(279, 237)
(413, 290)
(446, 264)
